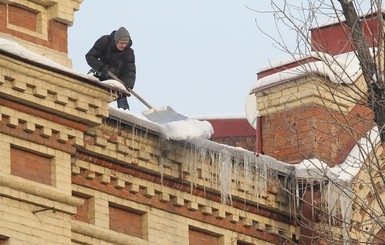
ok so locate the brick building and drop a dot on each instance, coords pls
(75, 171)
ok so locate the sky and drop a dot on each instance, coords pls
(200, 57)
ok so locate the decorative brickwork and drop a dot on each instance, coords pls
(114, 178)
(39, 25)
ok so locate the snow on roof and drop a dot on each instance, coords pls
(194, 132)
(177, 130)
(18, 50)
(181, 130)
(343, 68)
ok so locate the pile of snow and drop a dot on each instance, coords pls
(187, 129)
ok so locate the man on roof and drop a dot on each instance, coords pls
(114, 53)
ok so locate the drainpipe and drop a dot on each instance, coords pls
(258, 135)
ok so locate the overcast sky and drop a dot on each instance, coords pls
(198, 56)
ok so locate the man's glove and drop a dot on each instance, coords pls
(104, 72)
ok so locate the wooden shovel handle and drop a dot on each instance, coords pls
(131, 91)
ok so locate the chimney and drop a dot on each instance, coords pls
(331, 37)
(305, 111)
(40, 26)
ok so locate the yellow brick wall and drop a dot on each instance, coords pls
(306, 91)
(65, 117)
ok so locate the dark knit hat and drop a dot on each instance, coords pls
(122, 35)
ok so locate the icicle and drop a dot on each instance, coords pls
(225, 174)
(237, 171)
(246, 171)
(163, 145)
(201, 159)
(257, 179)
(214, 171)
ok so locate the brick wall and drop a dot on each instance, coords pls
(22, 18)
(37, 24)
(247, 143)
(4, 240)
(201, 238)
(31, 166)
(332, 39)
(58, 36)
(309, 131)
(126, 221)
(243, 243)
(82, 211)
(235, 132)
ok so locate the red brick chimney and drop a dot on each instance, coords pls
(331, 38)
(307, 115)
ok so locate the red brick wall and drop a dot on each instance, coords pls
(82, 211)
(31, 166)
(126, 221)
(201, 238)
(4, 240)
(310, 131)
(58, 36)
(247, 143)
(234, 132)
(22, 18)
(243, 243)
(333, 40)
(57, 32)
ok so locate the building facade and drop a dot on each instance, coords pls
(75, 171)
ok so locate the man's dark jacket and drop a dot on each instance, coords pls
(121, 63)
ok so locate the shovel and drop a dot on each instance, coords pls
(159, 115)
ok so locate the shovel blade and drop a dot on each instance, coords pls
(163, 115)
